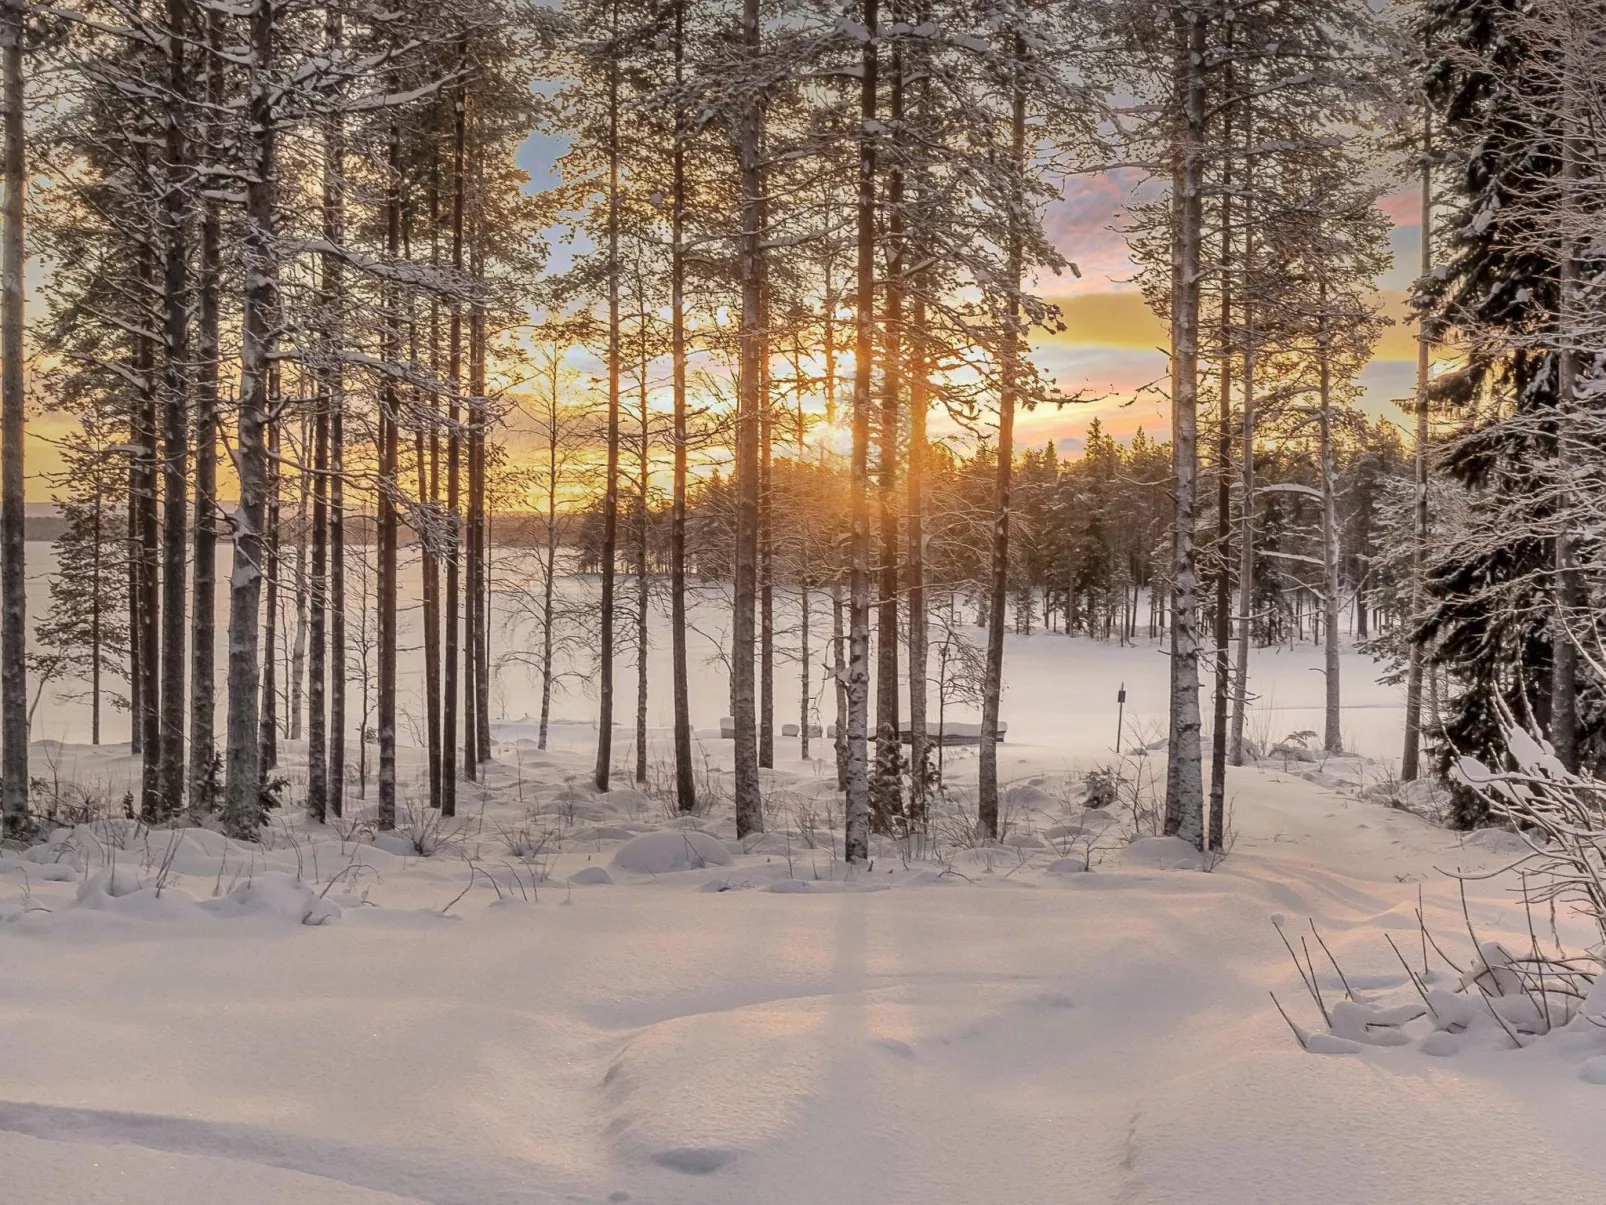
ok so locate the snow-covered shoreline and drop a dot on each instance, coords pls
(964, 1025)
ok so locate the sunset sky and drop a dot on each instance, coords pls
(1112, 345)
(1111, 348)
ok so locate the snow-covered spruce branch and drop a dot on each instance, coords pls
(1560, 815)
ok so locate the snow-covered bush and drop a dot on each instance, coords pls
(1101, 787)
(1559, 816)
(671, 850)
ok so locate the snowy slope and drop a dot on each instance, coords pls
(956, 1026)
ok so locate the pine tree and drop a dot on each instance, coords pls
(1488, 607)
(85, 631)
(13, 581)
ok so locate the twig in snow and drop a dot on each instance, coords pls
(1298, 1036)
(1411, 975)
(1348, 991)
(1314, 986)
(1298, 966)
(471, 873)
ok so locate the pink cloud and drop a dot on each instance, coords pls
(1403, 207)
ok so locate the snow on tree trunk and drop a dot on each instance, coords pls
(388, 490)
(610, 505)
(1332, 736)
(685, 780)
(1223, 585)
(744, 701)
(268, 719)
(998, 592)
(856, 834)
(241, 811)
(915, 540)
(766, 533)
(298, 639)
(1568, 589)
(203, 574)
(13, 580)
(1411, 759)
(1184, 795)
(175, 404)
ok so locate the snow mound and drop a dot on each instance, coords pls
(120, 889)
(666, 852)
(1496, 841)
(1372, 1026)
(790, 887)
(56, 852)
(116, 882)
(1425, 797)
(1593, 1070)
(591, 876)
(1167, 853)
(1029, 796)
(1067, 866)
(1022, 840)
(1326, 1043)
(278, 895)
(1287, 751)
(1440, 1045)
(270, 893)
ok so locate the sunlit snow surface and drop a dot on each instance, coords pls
(954, 1027)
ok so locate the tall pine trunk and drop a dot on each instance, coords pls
(766, 532)
(915, 571)
(1184, 795)
(1220, 717)
(1246, 453)
(136, 659)
(429, 492)
(839, 685)
(147, 606)
(244, 783)
(744, 703)
(856, 830)
(451, 645)
(329, 377)
(1568, 588)
(610, 505)
(1411, 757)
(478, 524)
(298, 640)
(550, 568)
(13, 579)
(203, 574)
(804, 569)
(886, 789)
(95, 621)
(998, 585)
(388, 492)
(317, 659)
(643, 469)
(685, 779)
(175, 406)
(1332, 736)
(269, 716)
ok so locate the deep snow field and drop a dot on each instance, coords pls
(551, 1007)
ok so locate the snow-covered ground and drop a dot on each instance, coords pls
(545, 1010)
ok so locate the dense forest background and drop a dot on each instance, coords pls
(318, 347)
